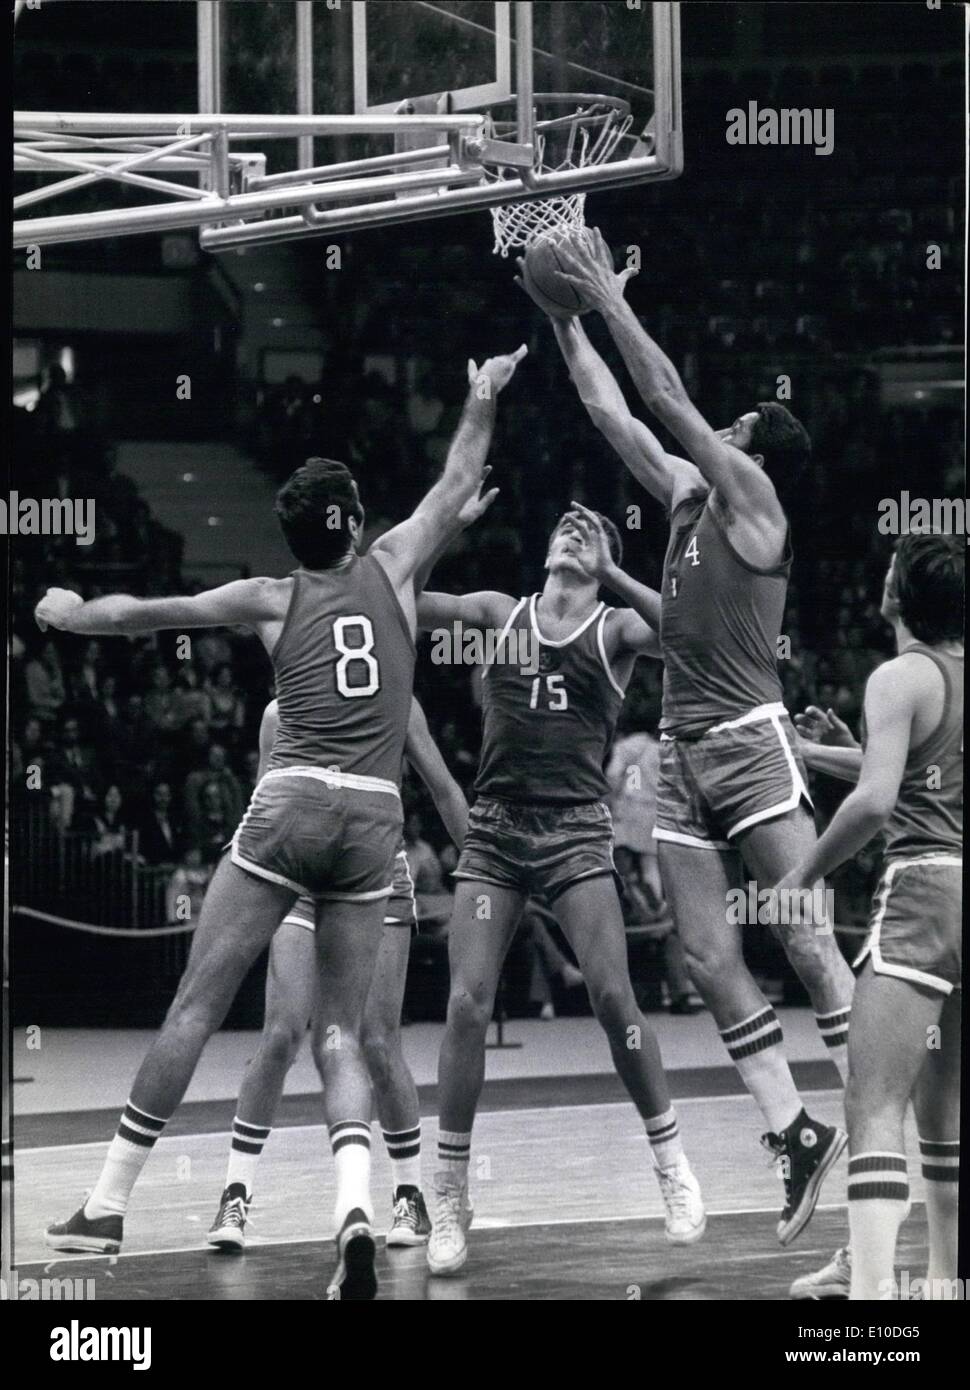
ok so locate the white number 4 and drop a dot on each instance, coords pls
(554, 689)
(692, 552)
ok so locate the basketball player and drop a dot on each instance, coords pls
(340, 634)
(731, 784)
(904, 1043)
(550, 699)
(289, 1006)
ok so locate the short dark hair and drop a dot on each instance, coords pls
(314, 507)
(928, 586)
(783, 442)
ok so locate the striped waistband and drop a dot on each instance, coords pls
(753, 716)
(333, 778)
(932, 858)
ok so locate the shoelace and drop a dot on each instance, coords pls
(447, 1213)
(405, 1213)
(233, 1213)
(676, 1193)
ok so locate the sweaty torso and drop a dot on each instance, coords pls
(721, 619)
(550, 714)
(344, 669)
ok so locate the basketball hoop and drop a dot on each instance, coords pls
(590, 134)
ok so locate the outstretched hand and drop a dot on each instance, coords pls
(55, 608)
(587, 263)
(824, 726)
(495, 372)
(594, 546)
(477, 505)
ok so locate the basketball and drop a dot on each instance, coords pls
(543, 276)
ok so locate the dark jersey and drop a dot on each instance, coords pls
(928, 816)
(344, 667)
(548, 723)
(719, 626)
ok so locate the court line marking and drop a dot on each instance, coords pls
(515, 1110)
(201, 1247)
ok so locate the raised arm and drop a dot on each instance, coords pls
(406, 549)
(476, 506)
(664, 476)
(244, 602)
(740, 483)
(425, 757)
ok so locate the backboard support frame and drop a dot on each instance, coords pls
(234, 202)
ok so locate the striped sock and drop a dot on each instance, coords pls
(663, 1131)
(454, 1153)
(754, 1046)
(127, 1155)
(404, 1151)
(834, 1028)
(878, 1194)
(941, 1170)
(350, 1142)
(247, 1145)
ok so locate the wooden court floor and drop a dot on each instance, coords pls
(566, 1208)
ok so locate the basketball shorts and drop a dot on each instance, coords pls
(916, 922)
(331, 836)
(539, 850)
(734, 776)
(400, 910)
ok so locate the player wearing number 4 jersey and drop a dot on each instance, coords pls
(340, 634)
(732, 788)
(550, 699)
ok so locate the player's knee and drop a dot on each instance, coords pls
(612, 1004)
(469, 1008)
(281, 1040)
(379, 1049)
(710, 965)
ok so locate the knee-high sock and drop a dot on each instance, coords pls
(754, 1046)
(127, 1155)
(941, 1170)
(878, 1202)
(350, 1142)
(404, 1151)
(834, 1028)
(244, 1154)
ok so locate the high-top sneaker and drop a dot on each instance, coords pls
(355, 1279)
(227, 1232)
(805, 1151)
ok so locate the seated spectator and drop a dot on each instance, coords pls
(160, 700)
(186, 888)
(424, 863)
(192, 749)
(86, 678)
(189, 701)
(74, 764)
(219, 774)
(45, 683)
(250, 774)
(136, 748)
(211, 650)
(211, 829)
(30, 758)
(228, 709)
(108, 825)
(158, 833)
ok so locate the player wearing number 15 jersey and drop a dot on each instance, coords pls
(550, 698)
(339, 632)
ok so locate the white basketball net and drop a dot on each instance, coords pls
(518, 224)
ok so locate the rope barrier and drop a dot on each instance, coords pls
(71, 924)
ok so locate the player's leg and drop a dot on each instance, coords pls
(770, 849)
(239, 916)
(290, 984)
(697, 883)
(887, 1051)
(347, 939)
(590, 915)
(395, 1094)
(937, 1105)
(483, 922)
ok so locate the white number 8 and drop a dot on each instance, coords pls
(363, 653)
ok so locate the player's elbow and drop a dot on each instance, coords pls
(876, 803)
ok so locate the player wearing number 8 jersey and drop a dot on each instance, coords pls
(550, 699)
(327, 628)
(732, 789)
